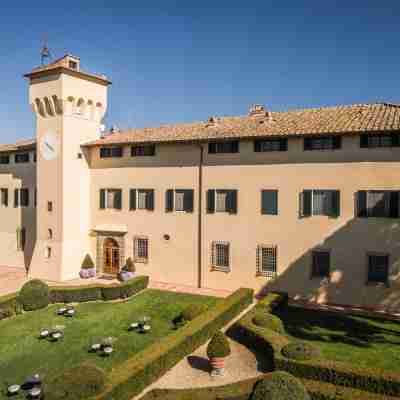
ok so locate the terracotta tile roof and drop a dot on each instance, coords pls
(352, 119)
(19, 145)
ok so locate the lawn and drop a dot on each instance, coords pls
(361, 341)
(23, 354)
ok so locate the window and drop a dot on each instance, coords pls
(141, 249)
(269, 202)
(179, 200)
(111, 198)
(21, 197)
(147, 150)
(21, 239)
(21, 158)
(35, 198)
(378, 204)
(141, 199)
(49, 234)
(373, 140)
(222, 200)
(49, 206)
(322, 143)
(48, 252)
(230, 146)
(4, 159)
(378, 268)
(220, 256)
(267, 261)
(320, 202)
(73, 65)
(34, 157)
(4, 197)
(320, 264)
(273, 144)
(111, 152)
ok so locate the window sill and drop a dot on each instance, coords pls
(220, 269)
(141, 260)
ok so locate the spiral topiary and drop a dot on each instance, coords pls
(300, 351)
(218, 347)
(269, 321)
(34, 295)
(193, 311)
(280, 385)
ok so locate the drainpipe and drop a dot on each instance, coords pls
(199, 216)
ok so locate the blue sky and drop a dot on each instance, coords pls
(175, 61)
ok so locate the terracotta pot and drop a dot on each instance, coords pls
(217, 365)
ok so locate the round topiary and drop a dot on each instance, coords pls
(129, 265)
(218, 347)
(34, 295)
(300, 351)
(280, 385)
(87, 262)
(193, 311)
(78, 383)
(269, 321)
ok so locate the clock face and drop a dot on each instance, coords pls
(49, 146)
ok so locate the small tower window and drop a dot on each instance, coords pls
(50, 234)
(73, 65)
(49, 206)
(48, 252)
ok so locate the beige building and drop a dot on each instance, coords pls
(305, 201)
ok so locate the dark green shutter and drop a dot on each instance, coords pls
(118, 200)
(102, 199)
(132, 199)
(361, 203)
(188, 200)
(16, 199)
(26, 203)
(269, 202)
(394, 205)
(150, 200)
(235, 146)
(212, 148)
(363, 141)
(307, 143)
(283, 144)
(335, 203)
(305, 203)
(6, 197)
(211, 201)
(395, 139)
(231, 201)
(169, 200)
(257, 146)
(337, 142)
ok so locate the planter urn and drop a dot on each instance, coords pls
(86, 273)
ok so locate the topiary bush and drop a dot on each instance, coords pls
(280, 385)
(78, 383)
(269, 321)
(218, 347)
(34, 295)
(300, 351)
(193, 311)
(87, 262)
(129, 265)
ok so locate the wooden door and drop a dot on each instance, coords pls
(111, 257)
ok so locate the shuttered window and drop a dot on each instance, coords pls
(378, 268)
(146, 150)
(378, 204)
(322, 143)
(179, 200)
(21, 197)
(320, 264)
(21, 158)
(320, 202)
(141, 199)
(4, 159)
(269, 202)
(230, 146)
(111, 152)
(220, 257)
(111, 199)
(374, 140)
(222, 200)
(4, 197)
(267, 145)
(267, 261)
(141, 249)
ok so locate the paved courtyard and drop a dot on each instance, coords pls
(11, 279)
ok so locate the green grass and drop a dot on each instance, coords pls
(357, 340)
(22, 353)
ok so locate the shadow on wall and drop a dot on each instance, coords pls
(348, 282)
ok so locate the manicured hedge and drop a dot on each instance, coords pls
(34, 295)
(9, 306)
(271, 343)
(133, 375)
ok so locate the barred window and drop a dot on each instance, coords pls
(220, 258)
(320, 264)
(140, 151)
(141, 249)
(229, 146)
(267, 261)
(377, 140)
(111, 152)
(378, 268)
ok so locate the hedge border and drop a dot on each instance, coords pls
(135, 374)
(264, 340)
(10, 305)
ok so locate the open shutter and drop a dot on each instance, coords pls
(394, 205)
(212, 148)
(363, 141)
(118, 200)
(132, 199)
(336, 142)
(231, 200)
(305, 203)
(169, 200)
(211, 201)
(283, 145)
(16, 199)
(361, 203)
(188, 200)
(150, 200)
(307, 143)
(335, 201)
(102, 199)
(257, 146)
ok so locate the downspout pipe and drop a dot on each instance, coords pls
(199, 216)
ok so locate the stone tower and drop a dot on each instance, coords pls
(69, 106)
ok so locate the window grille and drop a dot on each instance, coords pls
(267, 261)
(220, 257)
(378, 268)
(141, 249)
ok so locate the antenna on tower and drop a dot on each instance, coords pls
(45, 52)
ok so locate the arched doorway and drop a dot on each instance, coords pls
(111, 256)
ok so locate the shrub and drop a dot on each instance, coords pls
(9, 306)
(132, 376)
(124, 289)
(75, 294)
(87, 262)
(268, 321)
(301, 351)
(78, 383)
(129, 265)
(218, 346)
(192, 311)
(34, 295)
(280, 385)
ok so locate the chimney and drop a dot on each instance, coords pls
(258, 111)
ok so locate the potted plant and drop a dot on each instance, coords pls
(88, 269)
(128, 271)
(217, 350)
